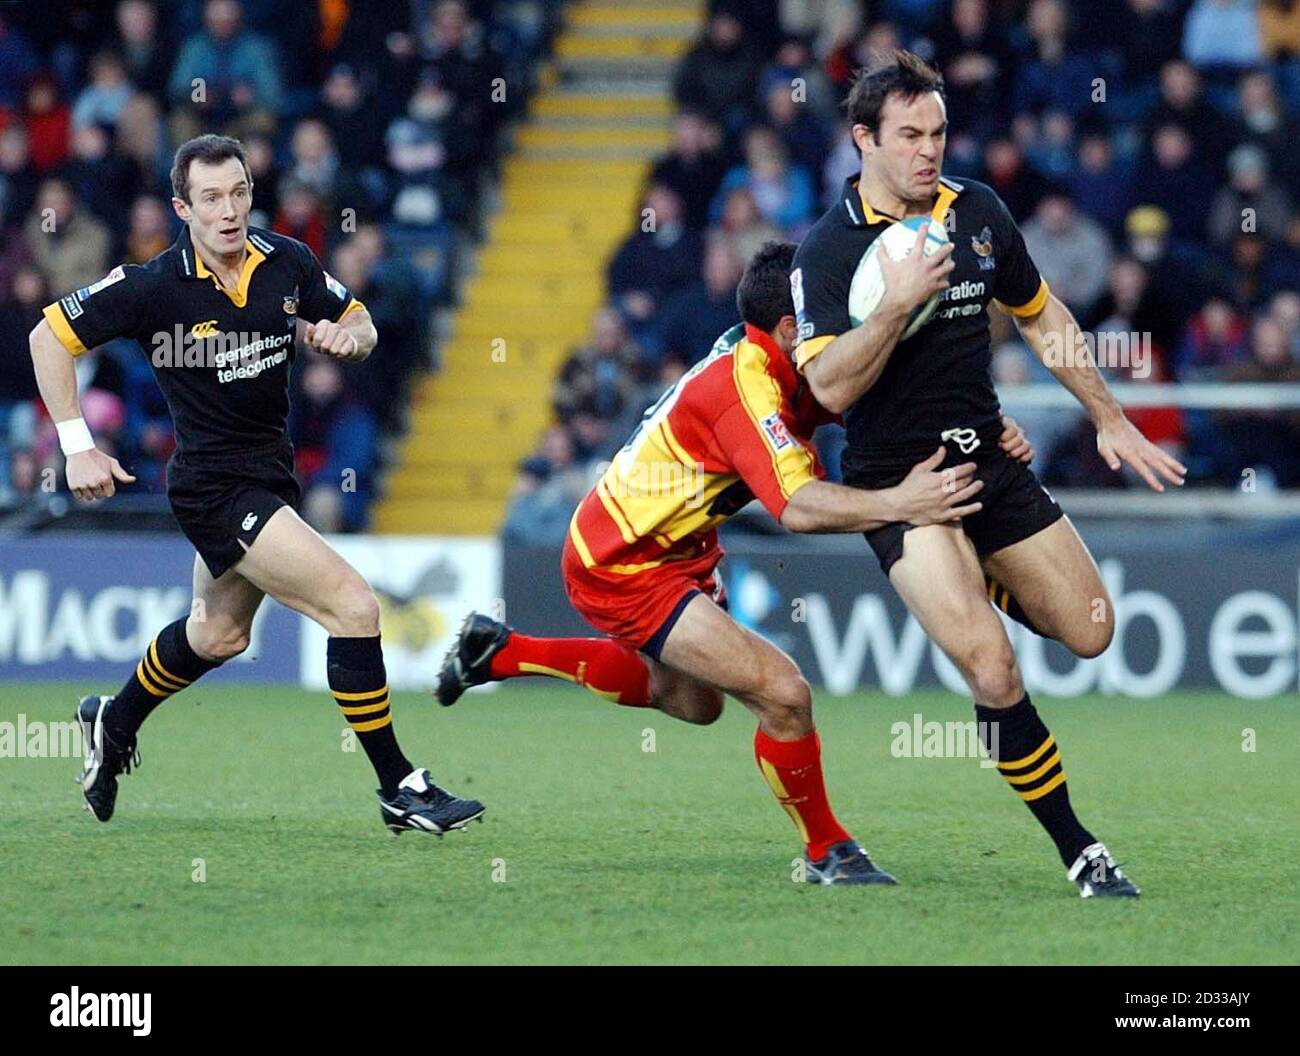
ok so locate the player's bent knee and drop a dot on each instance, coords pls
(787, 703)
(219, 643)
(993, 675)
(1092, 639)
(359, 614)
(1092, 636)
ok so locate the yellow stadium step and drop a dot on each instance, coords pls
(613, 48)
(458, 515)
(598, 201)
(557, 138)
(525, 359)
(518, 237)
(597, 16)
(418, 455)
(510, 328)
(557, 172)
(462, 356)
(603, 107)
(490, 388)
(576, 289)
(470, 438)
(560, 228)
(525, 308)
(471, 481)
(481, 416)
(501, 261)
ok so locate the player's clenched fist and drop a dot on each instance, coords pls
(332, 339)
(91, 475)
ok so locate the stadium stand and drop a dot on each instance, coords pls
(540, 265)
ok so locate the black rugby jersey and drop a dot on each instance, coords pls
(939, 379)
(221, 357)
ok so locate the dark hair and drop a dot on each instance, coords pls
(893, 72)
(763, 296)
(208, 149)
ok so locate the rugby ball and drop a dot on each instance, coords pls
(868, 286)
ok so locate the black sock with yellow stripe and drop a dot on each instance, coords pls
(360, 685)
(1003, 599)
(1027, 756)
(168, 666)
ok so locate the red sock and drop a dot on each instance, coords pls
(793, 769)
(608, 668)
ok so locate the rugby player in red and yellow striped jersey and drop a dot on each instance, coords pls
(642, 552)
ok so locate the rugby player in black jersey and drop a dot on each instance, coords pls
(218, 313)
(900, 398)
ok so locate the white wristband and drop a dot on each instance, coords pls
(74, 436)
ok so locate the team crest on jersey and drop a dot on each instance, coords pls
(775, 430)
(291, 303)
(982, 244)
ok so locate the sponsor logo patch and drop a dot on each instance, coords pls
(776, 432)
(71, 306)
(116, 275)
(335, 287)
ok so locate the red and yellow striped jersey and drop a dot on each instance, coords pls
(737, 426)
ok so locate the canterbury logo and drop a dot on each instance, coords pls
(207, 328)
(249, 521)
(963, 438)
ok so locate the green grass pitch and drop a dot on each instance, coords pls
(595, 850)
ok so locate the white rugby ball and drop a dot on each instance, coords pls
(868, 286)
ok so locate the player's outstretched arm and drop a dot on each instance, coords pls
(91, 473)
(1053, 331)
(351, 339)
(927, 495)
(850, 365)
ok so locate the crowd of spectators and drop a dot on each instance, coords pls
(1149, 149)
(368, 125)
